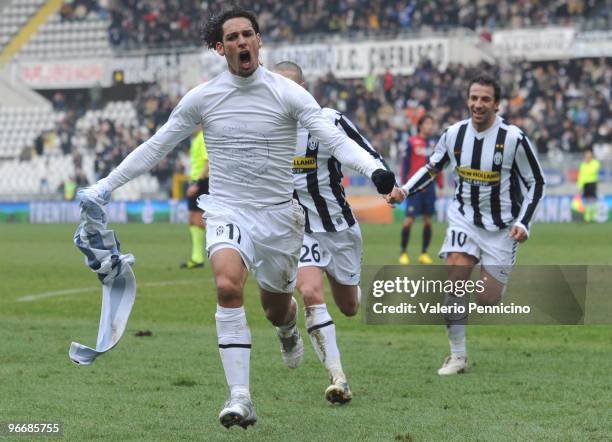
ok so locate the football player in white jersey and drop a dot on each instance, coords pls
(249, 116)
(332, 239)
(499, 186)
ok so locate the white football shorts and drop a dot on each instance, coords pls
(339, 253)
(268, 239)
(495, 251)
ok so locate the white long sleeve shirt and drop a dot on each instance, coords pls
(250, 127)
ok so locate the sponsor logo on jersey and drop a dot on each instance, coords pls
(304, 164)
(478, 177)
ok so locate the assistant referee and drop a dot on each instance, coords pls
(199, 186)
(588, 175)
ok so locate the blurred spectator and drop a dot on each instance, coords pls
(66, 11)
(59, 101)
(78, 9)
(68, 188)
(64, 135)
(80, 178)
(387, 84)
(164, 172)
(95, 96)
(39, 143)
(26, 154)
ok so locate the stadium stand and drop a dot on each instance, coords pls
(14, 15)
(62, 38)
(95, 28)
(156, 23)
(21, 126)
(42, 176)
(564, 105)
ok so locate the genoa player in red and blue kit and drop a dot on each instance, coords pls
(422, 203)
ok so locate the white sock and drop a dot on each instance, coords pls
(322, 332)
(287, 329)
(456, 339)
(359, 295)
(234, 339)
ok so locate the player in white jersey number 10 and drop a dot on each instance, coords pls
(332, 239)
(249, 116)
(499, 184)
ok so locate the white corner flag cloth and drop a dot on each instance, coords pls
(102, 255)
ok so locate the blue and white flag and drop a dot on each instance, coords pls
(102, 255)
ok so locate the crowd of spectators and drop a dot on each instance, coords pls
(562, 105)
(113, 141)
(157, 23)
(109, 140)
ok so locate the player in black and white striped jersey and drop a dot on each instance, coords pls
(332, 239)
(499, 184)
(317, 175)
(318, 178)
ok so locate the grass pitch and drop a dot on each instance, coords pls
(525, 382)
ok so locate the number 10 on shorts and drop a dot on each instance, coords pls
(458, 238)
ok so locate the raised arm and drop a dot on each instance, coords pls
(179, 126)
(426, 174)
(307, 111)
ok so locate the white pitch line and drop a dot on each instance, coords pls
(37, 296)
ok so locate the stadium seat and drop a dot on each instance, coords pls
(59, 39)
(14, 15)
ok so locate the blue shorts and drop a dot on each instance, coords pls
(422, 203)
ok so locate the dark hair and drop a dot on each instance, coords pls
(422, 120)
(486, 80)
(212, 31)
(290, 66)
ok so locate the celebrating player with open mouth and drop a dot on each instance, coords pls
(249, 116)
